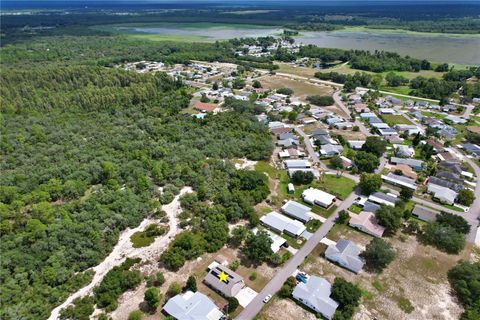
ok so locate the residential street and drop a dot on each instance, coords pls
(281, 276)
(339, 102)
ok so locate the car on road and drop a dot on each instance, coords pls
(267, 298)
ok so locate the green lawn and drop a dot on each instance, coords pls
(355, 209)
(337, 185)
(265, 167)
(393, 119)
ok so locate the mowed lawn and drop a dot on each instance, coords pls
(336, 185)
(393, 119)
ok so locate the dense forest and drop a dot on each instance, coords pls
(84, 149)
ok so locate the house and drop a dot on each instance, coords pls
(424, 213)
(315, 172)
(297, 210)
(192, 306)
(355, 144)
(373, 120)
(275, 125)
(380, 125)
(394, 139)
(287, 142)
(399, 181)
(308, 120)
(367, 115)
(403, 151)
(361, 108)
(446, 156)
(450, 176)
(445, 183)
(277, 240)
(369, 206)
(436, 145)
(324, 139)
(474, 129)
(452, 166)
(456, 119)
(205, 107)
(410, 129)
(346, 254)
(318, 197)
(383, 198)
(413, 163)
(448, 132)
(366, 222)
(346, 163)
(283, 224)
(333, 120)
(386, 110)
(286, 135)
(471, 148)
(278, 131)
(315, 294)
(297, 164)
(331, 150)
(387, 132)
(343, 125)
(228, 288)
(442, 194)
(406, 171)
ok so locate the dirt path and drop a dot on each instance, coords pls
(124, 249)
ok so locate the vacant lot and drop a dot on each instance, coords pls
(414, 286)
(301, 88)
(393, 119)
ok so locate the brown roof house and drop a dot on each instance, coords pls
(406, 170)
(229, 287)
(366, 222)
(205, 107)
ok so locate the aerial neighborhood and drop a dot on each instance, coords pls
(355, 176)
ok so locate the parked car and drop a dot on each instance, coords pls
(267, 298)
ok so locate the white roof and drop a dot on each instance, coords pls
(313, 195)
(282, 223)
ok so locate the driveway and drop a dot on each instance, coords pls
(245, 296)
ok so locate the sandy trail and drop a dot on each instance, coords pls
(124, 249)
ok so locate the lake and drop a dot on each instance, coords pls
(461, 49)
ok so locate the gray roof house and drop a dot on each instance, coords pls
(356, 144)
(297, 210)
(297, 164)
(346, 254)
(472, 149)
(228, 288)
(369, 206)
(424, 213)
(445, 183)
(413, 163)
(283, 224)
(400, 181)
(331, 149)
(315, 294)
(192, 306)
(383, 198)
(452, 166)
(442, 194)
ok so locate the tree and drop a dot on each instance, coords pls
(375, 145)
(395, 80)
(406, 193)
(159, 279)
(258, 246)
(285, 91)
(287, 288)
(232, 304)
(238, 235)
(457, 222)
(256, 84)
(174, 289)
(427, 151)
(444, 237)
(390, 218)
(378, 254)
(322, 101)
(191, 284)
(416, 139)
(152, 298)
(464, 278)
(343, 217)
(366, 162)
(466, 197)
(336, 162)
(302, 177)
(347, 295)
(135, 315)
(215, 85)
(370, 182)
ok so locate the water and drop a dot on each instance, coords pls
(462, 49)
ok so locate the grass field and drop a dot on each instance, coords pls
(301, 89)
(393, 119)
(336, 185)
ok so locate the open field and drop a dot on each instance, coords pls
(301, 88)
(415, 282)
(393, 119)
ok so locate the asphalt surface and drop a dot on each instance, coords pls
(254, 307)
(339, 102)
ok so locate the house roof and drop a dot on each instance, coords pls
(206, 107)
(347, 254)
(331, 148)
(424, 213)
(383, 198)
(406, 171)
(356, 144)
(445, 183)
(277, 240)
(192, 306)
(442, 193)
(409, 162)
(225, 287)
(290, 164)
(282, 223)
(399, 180)
(453, 166)
(313, 195)
(471, 148)
(368, 222)
(474, 129)
(370, 206)
(316, 292)
(297, 210)
(280, 130)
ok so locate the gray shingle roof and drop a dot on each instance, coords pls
(347, 254)
(229, 288)
(316, 294)
(297, 210)
(424, 213)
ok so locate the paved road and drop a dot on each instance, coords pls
(254, 307)
(339, 102)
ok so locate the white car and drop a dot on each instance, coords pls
(267, 298)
